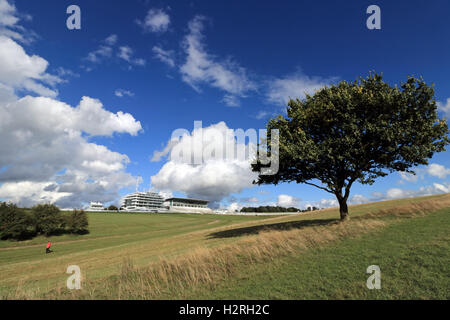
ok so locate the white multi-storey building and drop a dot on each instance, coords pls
(142, 202)
(95, 206)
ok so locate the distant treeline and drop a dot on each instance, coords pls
(44, 219)
(276, 209)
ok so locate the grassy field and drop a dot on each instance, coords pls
(167, 256)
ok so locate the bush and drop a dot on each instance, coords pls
(77, 222)
(269, 209)
(46, 219)
(15, 223)
(112, 208)
(49, 220)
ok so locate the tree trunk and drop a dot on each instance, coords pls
(343, 208)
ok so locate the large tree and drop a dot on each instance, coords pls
(356, 131)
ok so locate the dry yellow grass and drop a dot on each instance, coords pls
(250, 243)
(209, 265)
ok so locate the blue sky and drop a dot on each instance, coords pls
(164, 65)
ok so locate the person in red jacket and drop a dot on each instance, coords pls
(47, 249)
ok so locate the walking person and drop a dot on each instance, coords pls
(47, 249)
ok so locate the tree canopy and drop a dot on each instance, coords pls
(356, 131)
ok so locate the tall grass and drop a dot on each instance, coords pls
(174, 277)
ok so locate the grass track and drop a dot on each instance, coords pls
(413, 254)
(147, 238)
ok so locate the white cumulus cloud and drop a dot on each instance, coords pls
(280, 90)
(285, 200)
(157, 20)
(9, 27)
(23, 72)
(44, 150)
(437, 170)
(444, 107)
(216, 176)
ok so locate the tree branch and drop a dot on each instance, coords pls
(314, 185)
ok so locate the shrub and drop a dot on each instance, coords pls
(112, 208)
(15, 223)
(77, 222)
(48, 219)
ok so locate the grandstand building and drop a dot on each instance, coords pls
(153, 202)
(95, 206)
(142, 202)
(187, 205)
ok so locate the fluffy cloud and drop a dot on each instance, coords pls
(326, 203)
(436, 188)
(202, 68)
(45, 155)
(285, 200)
(45, 150)
(445, 108)
(9, 18)
(8, 14)
(434, 170)
(27, 193)
(22, 72)
(19, 71)
(46, 115)
(214, 177)
(358, 199)
(234, 207)
(408, 177)
(280, 90)
(157, 20)
(437, 170)
(322, 204)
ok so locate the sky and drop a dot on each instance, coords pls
(88, 114)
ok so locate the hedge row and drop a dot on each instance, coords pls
(276, 209)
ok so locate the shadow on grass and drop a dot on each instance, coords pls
(271, 227)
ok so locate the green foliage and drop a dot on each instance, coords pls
(112, 208)
(45, 219)
(77, 222)
(272, 209)
(356, 131)
(15, 223)
(49, 219)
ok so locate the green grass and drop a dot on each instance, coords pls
(145, 237)
(319, 272)
(413, 255)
